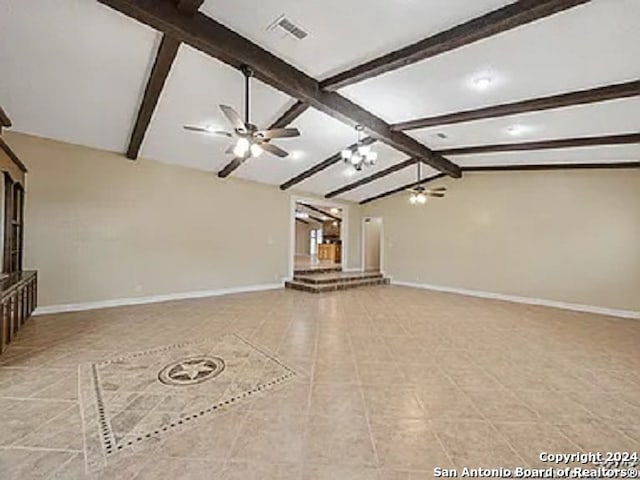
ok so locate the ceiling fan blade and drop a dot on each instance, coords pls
(435, 194)
(273, 150)
(278, 133)
(233, 118)
(437, 189)
(193, 128)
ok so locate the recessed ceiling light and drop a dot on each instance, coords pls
(516, 130)
(335, 211)
(482, 83)
(297, 154)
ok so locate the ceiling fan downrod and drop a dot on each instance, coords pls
(248, 73)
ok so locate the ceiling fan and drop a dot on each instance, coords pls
(250, 142)
(419, 193)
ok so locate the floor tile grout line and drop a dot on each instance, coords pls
(314, 358)
(243, 421)
(486, 419)
(362, 396)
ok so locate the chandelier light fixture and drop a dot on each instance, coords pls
(361, 154)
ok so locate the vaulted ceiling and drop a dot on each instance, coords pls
(86, 72)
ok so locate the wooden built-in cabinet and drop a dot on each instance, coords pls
(329, 252)
(18, 288)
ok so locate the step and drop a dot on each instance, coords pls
(312, 270)
(336, 277)
(333, 287)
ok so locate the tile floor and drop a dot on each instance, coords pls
(390, 382)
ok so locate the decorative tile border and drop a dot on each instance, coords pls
(101, 443)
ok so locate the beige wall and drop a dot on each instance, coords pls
(101, 227)
(570, 236)
(302, 238)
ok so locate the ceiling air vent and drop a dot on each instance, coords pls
(285, 26)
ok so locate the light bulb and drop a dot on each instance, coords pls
(256, 150)
(413, 199)
(483, 83)
(372, 156)
(241, 148)
(364, 149)
(346, 154)
(422, 198)
(356, 159)
(334, 211)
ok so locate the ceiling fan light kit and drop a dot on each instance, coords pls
(250, 142)
(361, 155)
(419, 194)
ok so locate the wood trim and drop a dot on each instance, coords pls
(363, 181)
(162, 66)
(317, 168)
(402, 188)
(293, 112)
(558, 166)
(498, 21)
(546, 144)
(218, 41)
(10, 163)
(302, 221)
(320, 211)
(5, 121)
(580, 97)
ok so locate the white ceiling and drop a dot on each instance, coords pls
(342, 174)
(321, 137)
(587, 46)
(606, 118)
(599, 154)
(75, 71)
(196, 86)
(395, 180)
(343, 33)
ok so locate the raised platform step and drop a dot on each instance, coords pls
(317, 270)
(331, 282)
(335, 277)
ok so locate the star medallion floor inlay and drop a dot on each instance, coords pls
(140, 396)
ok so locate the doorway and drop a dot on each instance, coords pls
(372, 244)
(318, 235)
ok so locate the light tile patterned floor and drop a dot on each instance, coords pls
(390, 383)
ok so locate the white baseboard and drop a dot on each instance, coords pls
(121, 302)
(527, 300)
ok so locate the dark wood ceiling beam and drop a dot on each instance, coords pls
(302, 221)
(402, 188)
(363, 181)
(547, 144)
(501, 20)
(165, 56)
(293, 112)
(580, 97)
(317, 168)
(189, 6)
(218, 41)
(320, 211)
(161, 67)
